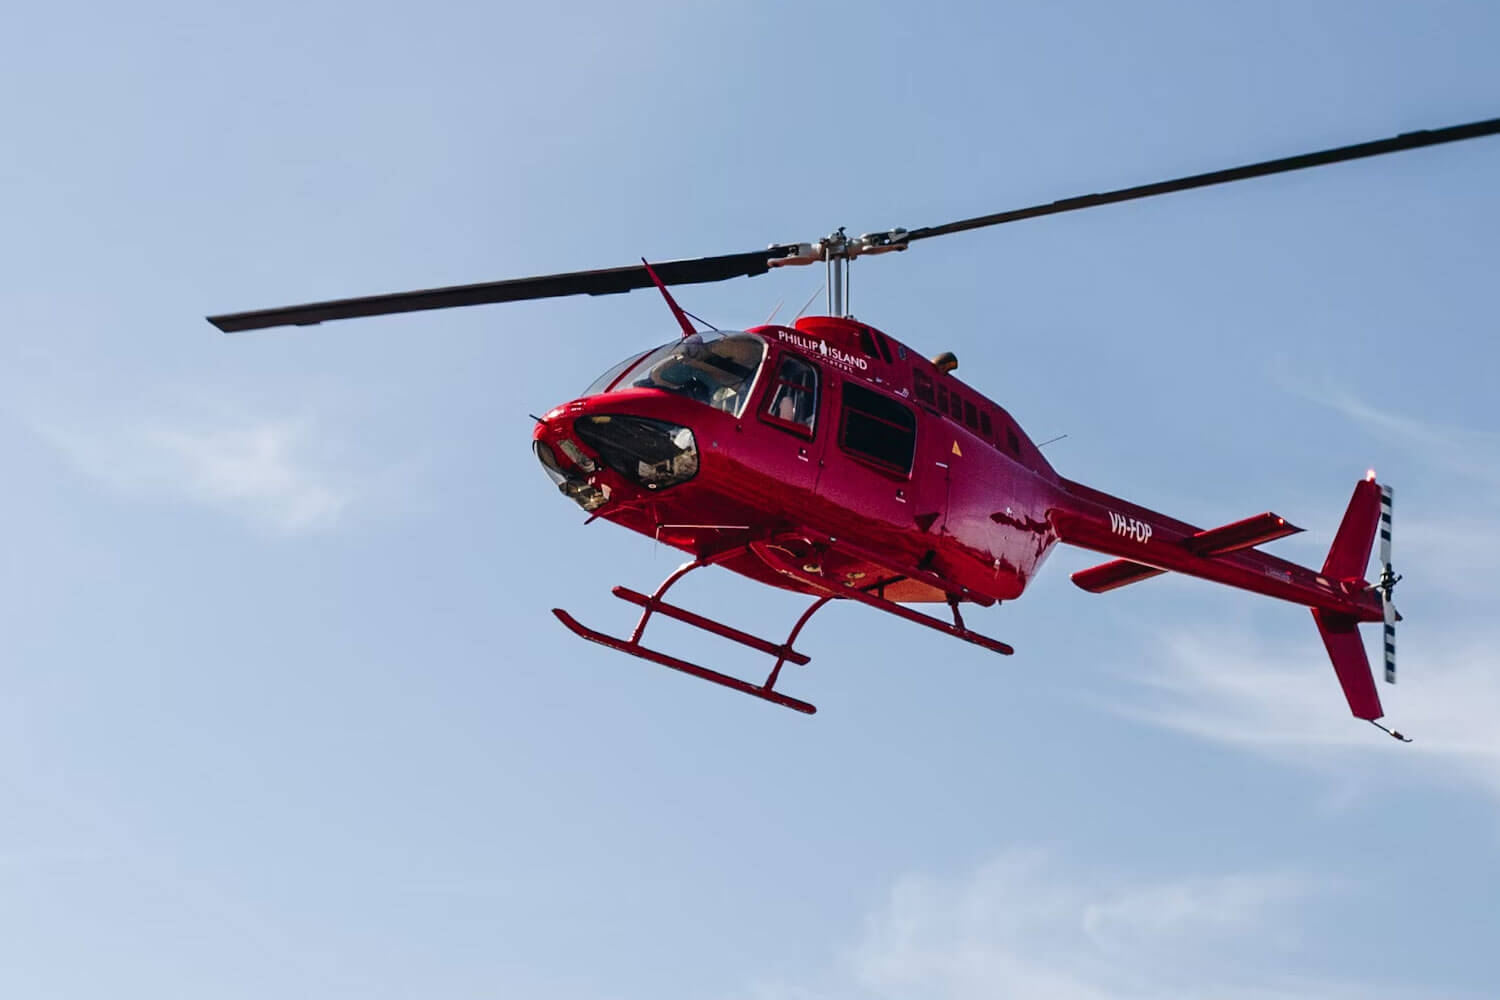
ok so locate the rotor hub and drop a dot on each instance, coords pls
(836, 251)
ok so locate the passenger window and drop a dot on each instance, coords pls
(794, 393)
(986, 427)
(922, 388)
(942, 398)
(878, 429)
(971, 415)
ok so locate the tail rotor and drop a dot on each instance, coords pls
(1387, 584)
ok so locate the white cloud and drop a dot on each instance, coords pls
(1457, 450)
(1280, 698)
(263, 470)
(1026, 926)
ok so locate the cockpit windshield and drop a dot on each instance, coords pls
(714, 368)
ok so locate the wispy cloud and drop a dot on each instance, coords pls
(1027, 925)
(265, 470)
(1459, 450)
(1280, 698)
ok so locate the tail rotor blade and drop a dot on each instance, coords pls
(1390, 641)
(1386, 497)
(1388, 580)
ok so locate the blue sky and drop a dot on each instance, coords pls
(283, 712)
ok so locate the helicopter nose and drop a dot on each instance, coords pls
(652, 453)
(591, 456)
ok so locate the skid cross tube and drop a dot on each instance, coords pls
(655, 604)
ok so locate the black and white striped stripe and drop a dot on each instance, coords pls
(1387, 581)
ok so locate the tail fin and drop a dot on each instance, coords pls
(1347, 651)
(1350, 553)
(1348, 559)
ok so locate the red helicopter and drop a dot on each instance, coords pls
(830, 459)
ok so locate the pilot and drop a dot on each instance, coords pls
(786, 404)
(675, 375)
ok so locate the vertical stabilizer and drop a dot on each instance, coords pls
(1350, 554)
(1347, 651)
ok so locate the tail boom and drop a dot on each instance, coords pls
(1164, 545)
(1145, 544)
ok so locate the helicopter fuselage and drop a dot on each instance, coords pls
(882, 453)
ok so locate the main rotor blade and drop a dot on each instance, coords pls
(1407, 140)
(607, 281)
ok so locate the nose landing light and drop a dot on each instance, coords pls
(571, 481)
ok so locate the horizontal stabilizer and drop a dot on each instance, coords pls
(1110, 575)
(1250, 532)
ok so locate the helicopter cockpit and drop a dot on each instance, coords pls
(713, 368)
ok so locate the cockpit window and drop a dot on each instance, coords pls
(713, 368)
(607, 381)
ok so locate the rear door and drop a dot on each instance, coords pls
(867, 463)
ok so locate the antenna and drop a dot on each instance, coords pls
(808, 303)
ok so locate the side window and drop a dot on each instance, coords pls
(971, 415)
(986, 427)
(922, 388)
(793, 398)
(877, 429)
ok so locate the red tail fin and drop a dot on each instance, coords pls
(1348, 558)
(1350, 553)
(1347, 651)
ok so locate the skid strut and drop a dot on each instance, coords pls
(775, 557)
(654, 604)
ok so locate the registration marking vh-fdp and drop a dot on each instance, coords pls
(1130, 527)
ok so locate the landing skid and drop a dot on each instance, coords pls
(654, 604)
(763, 691)
(775, 557)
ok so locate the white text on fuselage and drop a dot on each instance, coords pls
(1130, 527)
(843, 360)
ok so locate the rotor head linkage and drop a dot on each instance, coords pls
(836, 251)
